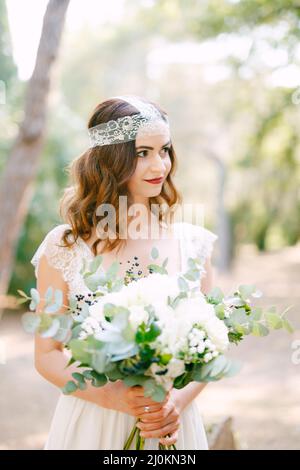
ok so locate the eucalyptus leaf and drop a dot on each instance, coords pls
(246, 290)
(154, 253)
(274, 321)
(183, 285)
(259, 330)
(52, 331)
(49, 295)
(69, 388)
(22, 293)
(30, 322)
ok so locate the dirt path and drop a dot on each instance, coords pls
(263, 399)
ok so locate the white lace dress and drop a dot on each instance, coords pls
(79, 424)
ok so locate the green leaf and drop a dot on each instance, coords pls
(220, 363)
(165, 262)
(191, 263)
(246, 290)
(259, 330)
(134, 380)
(50, 332)
(112, 270)
(274, 321)
(21, 301)
(22, 294)
(215, 295)
(157, 269)
(35, 299)
(219, 310)
(256, 313)
(30, 322)
(48, 295)
(156, 392)
(79, 351)
(79, 377)
(98, 380)
(99, 360)
(233, 369)
(70, 387)
(183, 285)
(165, 358)
(95, 264)
(154, 253)
(192, 274)
(287, 326)
(35, 296)
(93, 281)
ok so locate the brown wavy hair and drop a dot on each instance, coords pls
(100, 176)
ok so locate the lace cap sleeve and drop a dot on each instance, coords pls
(58, 257)
(200, 241)
(203, 240)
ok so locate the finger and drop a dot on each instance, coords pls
(153, 409)
(138, 391)
(145, 401)
(169, 440)
(170, 428)
(156, 415)
(157, 424)
(154, 406)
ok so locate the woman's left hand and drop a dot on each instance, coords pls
(163, 422)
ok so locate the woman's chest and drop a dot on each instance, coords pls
(137, 257)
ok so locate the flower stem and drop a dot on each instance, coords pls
(131, 437)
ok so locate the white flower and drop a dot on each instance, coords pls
(198, 311)
(174, 368)
(194, 342)
(199, 333)
(89, 326)
(208, 357)
(201, 347)
(137, 316)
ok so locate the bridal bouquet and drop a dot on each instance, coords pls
(157, 331)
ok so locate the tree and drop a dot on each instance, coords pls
(20, 170)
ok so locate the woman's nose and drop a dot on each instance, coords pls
(157, 163)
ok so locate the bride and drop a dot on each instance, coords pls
(131, 157)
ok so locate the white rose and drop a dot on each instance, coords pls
(137, 316)
(207, 357)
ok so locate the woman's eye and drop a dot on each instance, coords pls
(139, 154)
(165, 149)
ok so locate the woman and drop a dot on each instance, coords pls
(131, 158)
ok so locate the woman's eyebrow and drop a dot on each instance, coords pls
(151, 148)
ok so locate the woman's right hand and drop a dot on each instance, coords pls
(130, 400)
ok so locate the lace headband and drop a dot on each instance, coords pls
(147, 122)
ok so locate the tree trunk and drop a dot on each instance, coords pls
(223, 221)
(18, 176)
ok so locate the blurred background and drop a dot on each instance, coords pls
(228, 74)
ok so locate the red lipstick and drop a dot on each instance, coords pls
(155, 181)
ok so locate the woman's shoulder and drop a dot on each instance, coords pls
(194, 231)
(56, 233)
(52, 246)
(199, 238)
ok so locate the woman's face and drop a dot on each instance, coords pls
(153, 161)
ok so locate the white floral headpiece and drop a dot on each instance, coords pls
(123, 129)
